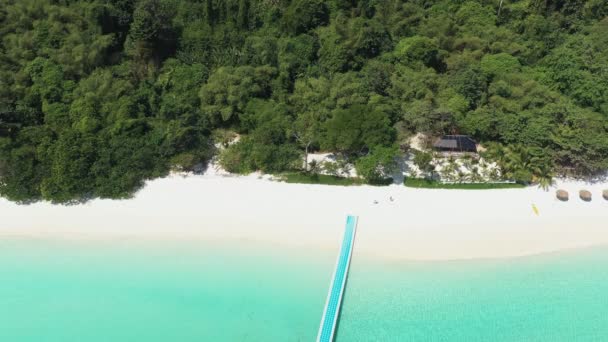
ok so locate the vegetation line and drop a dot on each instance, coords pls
(305, 178)
(430, 184)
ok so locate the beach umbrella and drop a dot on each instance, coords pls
(585, 195)
(605, 194)
(562, 195)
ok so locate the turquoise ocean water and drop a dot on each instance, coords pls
(189, 291)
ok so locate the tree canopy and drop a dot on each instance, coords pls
(96, 96)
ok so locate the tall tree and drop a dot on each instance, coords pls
(152, 36)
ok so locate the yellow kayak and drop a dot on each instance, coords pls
(535, 209)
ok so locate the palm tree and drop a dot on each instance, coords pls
(519, 163)
(497, 153)
(545, 182)
(543, 175)
(528, 165)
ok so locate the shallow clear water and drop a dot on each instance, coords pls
(153, 291)
(556, 297)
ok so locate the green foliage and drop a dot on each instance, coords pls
(471, 83)
(175, 83)
(499, 65)
(151, 34)
(347, 43)
(475, 18)
(304, 15)
(96, 96)
(419, 49)
(378, 165)
(21, 175)
(267, 147)
(358, 127)
(70, 159)
(249, 155)
(228, 90)
(306, 178)
(578, 68)
(432, 184)
(423, 161)
(522, 164)
(295, 55)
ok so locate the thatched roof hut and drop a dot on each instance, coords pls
(562, 195)
(605, 194)
(585, 195)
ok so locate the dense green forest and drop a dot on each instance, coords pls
(97, 96)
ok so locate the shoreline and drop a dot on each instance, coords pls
(167, 243)
(418, 225)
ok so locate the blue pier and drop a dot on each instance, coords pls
(336, 289)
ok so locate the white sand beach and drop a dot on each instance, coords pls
(418, 224)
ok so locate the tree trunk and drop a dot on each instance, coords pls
(306, 157)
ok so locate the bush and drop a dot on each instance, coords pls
(432, 184)
(247, 156)
(305, 178)
(377, 164)
(423, 162)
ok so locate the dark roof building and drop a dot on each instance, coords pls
(455, 143)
